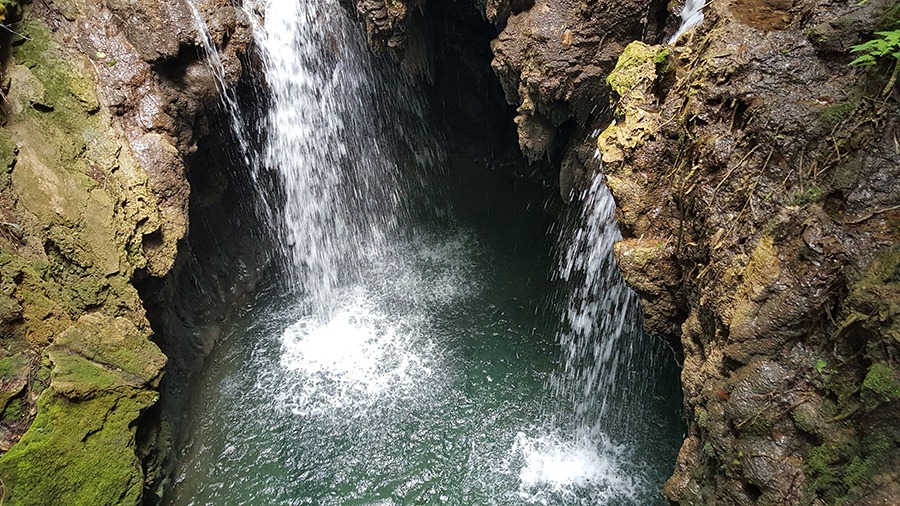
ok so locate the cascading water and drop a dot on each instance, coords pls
(691, 16)
(340, 181)
(396, 358)
(602, 316)
(589, 449)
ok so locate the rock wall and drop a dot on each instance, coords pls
(756, 178)
(103, 103)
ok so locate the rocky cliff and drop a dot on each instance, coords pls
(103, 105)
(756, 175)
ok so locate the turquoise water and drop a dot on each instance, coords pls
(425, 383)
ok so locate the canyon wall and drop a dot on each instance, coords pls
(755, 174)
(103, 105)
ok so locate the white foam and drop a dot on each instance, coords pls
(374, 348)
(356, 357)
(555, 470)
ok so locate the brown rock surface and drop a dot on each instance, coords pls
(766, 169)
(103, 104)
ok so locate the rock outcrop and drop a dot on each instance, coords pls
(756, 175)
(103, 103)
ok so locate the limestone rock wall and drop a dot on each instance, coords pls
(103, 103)
(756, 178)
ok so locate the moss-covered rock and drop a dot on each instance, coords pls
(73, 452)
(882, 384)
(76, 206)
(80, 447)
(636, 72)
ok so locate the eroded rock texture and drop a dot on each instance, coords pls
(102, 103)
(756, 176)
(552, 60)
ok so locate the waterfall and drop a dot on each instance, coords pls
(602, 317)
(341, 183)
(385, 364)
(691, 16)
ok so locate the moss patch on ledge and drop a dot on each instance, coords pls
(637, 70)
(79, 450)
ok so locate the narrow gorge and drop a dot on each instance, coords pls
(466, 252)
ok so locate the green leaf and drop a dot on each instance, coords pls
(864, 60)
(892, 38)
(821, 364)
(863, 47)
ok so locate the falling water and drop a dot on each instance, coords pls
(227, 94)
(602, 316)
(340, 180)
(397, 365)
(691, 16)
(588, 450)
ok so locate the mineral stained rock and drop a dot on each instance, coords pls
(103, 102)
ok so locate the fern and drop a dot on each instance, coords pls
(885, 44)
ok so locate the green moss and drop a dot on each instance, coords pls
(11, 367)
(858, 471)
(637, 63)
(64, 85)
(77, 452)
(831, 115)
(808, 196)
(14, 410)
(77, 376)
(115, 342)
(8, 152)
(80, 449)
(840, 471)
(881, 384)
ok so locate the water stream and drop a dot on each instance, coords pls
(691, 17)
(404, 352)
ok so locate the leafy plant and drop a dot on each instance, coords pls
(885, 44)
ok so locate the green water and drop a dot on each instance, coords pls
(424, 385)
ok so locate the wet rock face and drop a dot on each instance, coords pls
(552, 60)
(103, 104)
(756, 178)
(395, 27)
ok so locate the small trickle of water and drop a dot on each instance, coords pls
(227, 94)
(602, 316)
(691, 16)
